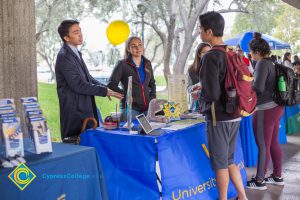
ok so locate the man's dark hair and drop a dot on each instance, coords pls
(214, 21)
(64, 27)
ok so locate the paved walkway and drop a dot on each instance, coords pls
(291, 175)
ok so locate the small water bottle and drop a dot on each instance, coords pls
(232, 92)
(281, 84)
(231, 101)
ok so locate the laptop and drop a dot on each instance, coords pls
(148, 129)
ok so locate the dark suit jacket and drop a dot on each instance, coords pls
(76, 89)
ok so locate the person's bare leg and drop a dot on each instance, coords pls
(237, 181)
(222, 183)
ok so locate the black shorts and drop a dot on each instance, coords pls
(221, 143)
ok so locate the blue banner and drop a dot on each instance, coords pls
(185, 168)
(292, 114)
(128, 164)
(69, 172)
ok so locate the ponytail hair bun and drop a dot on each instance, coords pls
(259, 45)
(257, 35)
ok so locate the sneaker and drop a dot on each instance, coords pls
(274, 180)
(256, 185)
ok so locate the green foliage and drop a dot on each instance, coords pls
(271, 17)
(288, 28)
(48, 100)
(261, 17)
(160, 80)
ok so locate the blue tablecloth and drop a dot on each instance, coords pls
(79, 165)
(128, 163)
(292, 114)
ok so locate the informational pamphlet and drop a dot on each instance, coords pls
(12, 137)
(177, 91)
(35, 126)
(40, 134)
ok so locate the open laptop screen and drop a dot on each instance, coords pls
(144, 123)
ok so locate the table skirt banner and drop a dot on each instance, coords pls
(185, 168)
(128, 163)
(292, 114)
(283, 130)
(250, 150)
(70, 172)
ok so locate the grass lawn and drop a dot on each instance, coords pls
(160, 80)
(49, 102)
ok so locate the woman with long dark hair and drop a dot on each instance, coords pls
(194, 84)
(266, 118)
(143, 84)
(287, 60)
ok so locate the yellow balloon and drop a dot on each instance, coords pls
(117, 32)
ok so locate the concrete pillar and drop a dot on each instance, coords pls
(18, 74)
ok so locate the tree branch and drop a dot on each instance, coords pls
(157, 65)
(47, 19)
(192, 4)
(162, 11)
(231, 4)
(198, 10)
(148, 42)
(155, 50)
(179, 30)
(232, 10)
(39, 34)
(241, 8)
(183, 15)
(162, 35)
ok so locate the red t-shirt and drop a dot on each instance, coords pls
(246, 60)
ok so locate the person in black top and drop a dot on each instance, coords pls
(143, 83)
(266, 118)
(287, 60)
(222, 136)
(194, 84)
(76, 88)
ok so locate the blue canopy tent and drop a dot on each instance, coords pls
(234, 41)
(244, 39)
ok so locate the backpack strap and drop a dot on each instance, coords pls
(213, 114)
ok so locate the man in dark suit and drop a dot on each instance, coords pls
(76, 88)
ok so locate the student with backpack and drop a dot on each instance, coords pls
(222, 127)
(267, 117)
